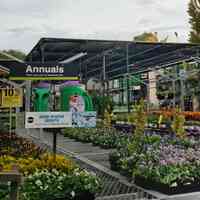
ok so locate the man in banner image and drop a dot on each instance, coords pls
(76, 104)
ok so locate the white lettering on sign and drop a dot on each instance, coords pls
(53, 70)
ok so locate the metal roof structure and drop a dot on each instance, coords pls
(109, 59)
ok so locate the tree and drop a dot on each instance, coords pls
(178, 123)
(194, 21)
(146, 37)
(102, 104)
(149, 37)
(16, 53)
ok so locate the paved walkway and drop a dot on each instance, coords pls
(86, 150)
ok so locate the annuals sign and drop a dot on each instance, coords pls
(31, 69)
(43, 71)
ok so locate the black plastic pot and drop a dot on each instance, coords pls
(85, 195)
(113, 160)
(166, 189)
(79, 196)
(160, 97)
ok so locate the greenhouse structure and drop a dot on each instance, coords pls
(101, 120)
(128, 71)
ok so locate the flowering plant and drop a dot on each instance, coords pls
(46, 161)
(104, 137)
(46, 185)
(13, 145)
(170, 164)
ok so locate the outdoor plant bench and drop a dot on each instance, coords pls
(15, 178)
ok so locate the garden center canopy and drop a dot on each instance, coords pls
(109, 59)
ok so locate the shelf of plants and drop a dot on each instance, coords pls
(44, 176)
(104, 137)
(168, 163)
(158, 159)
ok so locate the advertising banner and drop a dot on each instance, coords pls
(76, 103)
(48, 119)
(84, 119)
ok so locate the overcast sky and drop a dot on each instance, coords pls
(24, 22)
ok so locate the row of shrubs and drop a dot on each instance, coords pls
(103, 137)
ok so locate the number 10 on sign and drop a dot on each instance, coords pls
(10, 97)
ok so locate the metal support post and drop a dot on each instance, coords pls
(28, 100)
(182, 94)
(104, 74)
(148, 96)
(174, 87)
(54, 130)
(41, 132)
(54, 143)
(28, 96)
(86, 78)
(174, 93)
(128, 87)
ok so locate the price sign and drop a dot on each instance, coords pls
(10, 97)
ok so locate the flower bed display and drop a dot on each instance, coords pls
(188, 115)
(164, 188)
(47, 176)
(56, 184)
(166, 164)
(11, 144)
(103, 137)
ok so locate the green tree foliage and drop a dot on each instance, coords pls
(149, 37)
(16, 53)
(102, 104)
(178, 124)
(139, 117)
(146, 37)
(194, 21)
(108, 118)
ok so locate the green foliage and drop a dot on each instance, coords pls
(171, 175)
(4, 192)
(139, 118)
(16, 53)
(194, 22)
(104, 137)
(170, 161)
(102, 103)
(153, 119)
(178, 124)
(146, 37)
(122, 117)
(108, 119)
(55, 184)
